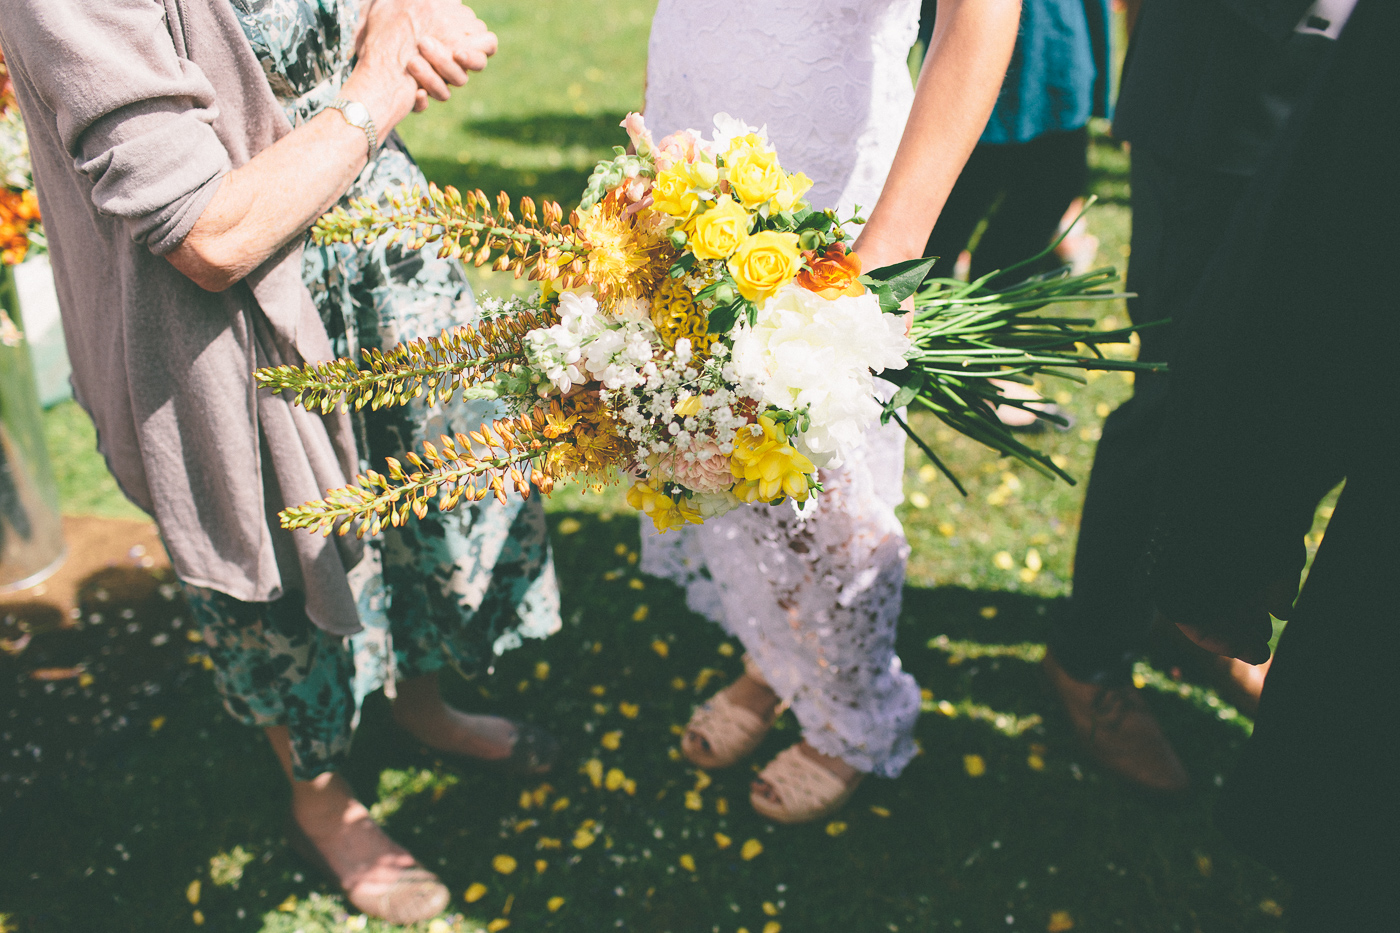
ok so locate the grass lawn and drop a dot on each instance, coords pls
(134, 803)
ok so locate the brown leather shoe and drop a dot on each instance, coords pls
(1116, 727)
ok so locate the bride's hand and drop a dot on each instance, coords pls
(875, 254)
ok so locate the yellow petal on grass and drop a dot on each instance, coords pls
(597, 690)
(569, 526)
(542, 670)
(289, 905)
(636, 584)
(85, 680)
(629, 710)
(619, 549)
(583, 839)
(503, 864)
(475, 892)
(678, 683)
(702, 780)
(751, 850)
(640, 615)
(554, 903)
(561, 804)
(881, 812)
(548, 842)
(541, 866)
(925, 694)
(156, 722)
(722, 840)
(1035, 762)
(974, 765)
(594, 769)
(1003, 560)
(614, 779)
(693, 801)
(989, 612)
(835, 828)
(1060, 921)
(611, 740)
(770, 908)
(687, 862)
(661, 648)
(721, 806)
(673, 753)
(629, 787)
(527, 800)
(497, 925)
(192, 892)
(726, 650)
(772, 926)
(947, 529)
(197, 918)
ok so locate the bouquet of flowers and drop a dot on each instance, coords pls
(700, 330)
(19, 208)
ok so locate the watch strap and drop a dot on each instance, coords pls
(367, 123)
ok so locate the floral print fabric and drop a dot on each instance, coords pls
(454, 588)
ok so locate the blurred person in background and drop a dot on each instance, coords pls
(1272, 402)
(1207, 88)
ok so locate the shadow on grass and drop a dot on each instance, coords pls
(627, 834)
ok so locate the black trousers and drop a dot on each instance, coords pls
(1027, 187)
(1179, 216)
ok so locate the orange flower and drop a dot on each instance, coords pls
(835, 274)
(19, 210)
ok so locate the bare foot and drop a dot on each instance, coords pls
(420, 709)
(837, 766)
(748, 691)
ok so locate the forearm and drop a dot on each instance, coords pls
(273, 199)
(957, 88)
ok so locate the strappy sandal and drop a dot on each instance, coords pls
(414, 896)
(806, 791)
(730, 730)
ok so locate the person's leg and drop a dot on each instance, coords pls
(973, 195)
(277, 671)
(1041, 177)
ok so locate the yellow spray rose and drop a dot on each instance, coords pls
(665, 512)
(717, 233)
(675, 191)
(755, 176)
(764, 263)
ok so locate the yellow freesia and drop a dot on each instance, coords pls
(665, 512)
(767, 466)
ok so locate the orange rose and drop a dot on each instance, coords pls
(833, 275)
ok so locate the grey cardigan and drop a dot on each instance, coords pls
(136, 109)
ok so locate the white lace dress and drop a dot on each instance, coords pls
(814, 599)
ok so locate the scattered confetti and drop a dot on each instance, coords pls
(835, 828)
(542, 670)
(503, 864)
(554, 903)
(548, 842)
(726, 650)
(974, 765)
(611, 740)
(687, 862)
(751, 850)
(614, 779)
(678, 683)
(661, 648)
(721, 806)
(722, 840)
(540, 866)
(772, 926)
(636, 584)
(594, 769)
(1060, 921)
(192, 892)
(569, 526)
(693, 801)
(629, 710)
(495, 926)
(156, 723)
(561, 804)
(1035, 762)
(640, 615)
(198, 918)
(598, 690)
(583, 839)
(770, 908)
(1271, 907)
(475, 892)
(881, 812)
(988, 612)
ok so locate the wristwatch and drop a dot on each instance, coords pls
(357, 115)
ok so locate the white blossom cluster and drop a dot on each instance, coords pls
(806, 352)
(591, 345)
(14, 152)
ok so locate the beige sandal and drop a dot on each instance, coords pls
(731, 730)
(806, 791)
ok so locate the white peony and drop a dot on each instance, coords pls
(806, 351)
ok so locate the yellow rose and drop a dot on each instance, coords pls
(754, 175)
(764, 263)
(717, 233)
(791, 190)
(675, 191)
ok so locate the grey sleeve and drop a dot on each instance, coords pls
(134, 116)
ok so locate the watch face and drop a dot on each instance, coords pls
(356, 114)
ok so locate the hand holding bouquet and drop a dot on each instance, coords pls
(700, 329)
